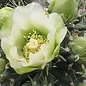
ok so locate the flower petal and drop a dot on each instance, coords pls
(37, 59)
(60, 34)
(6, 45)
(6, 28)
(17, 37)
(52, 48)
(56, 20)
(26, 69)
(39, 20)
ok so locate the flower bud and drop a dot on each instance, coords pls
(66, 8)
(78, 46)
(6, 21)
(71, 58)
(2, 65)
(5, 13)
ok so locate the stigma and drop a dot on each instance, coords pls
(33, 45)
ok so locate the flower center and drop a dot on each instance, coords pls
(33, 44)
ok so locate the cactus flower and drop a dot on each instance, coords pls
(35, 38)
